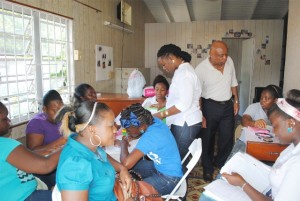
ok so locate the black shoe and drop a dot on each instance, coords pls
(207, 177)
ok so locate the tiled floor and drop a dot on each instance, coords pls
(196, 183)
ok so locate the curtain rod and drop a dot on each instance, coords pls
(97, 10)
(40, 9)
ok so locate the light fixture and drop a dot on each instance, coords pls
(115, 26)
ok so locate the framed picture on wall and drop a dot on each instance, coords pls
(104, 62)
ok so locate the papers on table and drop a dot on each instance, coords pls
(259, 135)
(252, 170)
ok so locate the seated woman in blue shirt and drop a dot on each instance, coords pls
(156, 141)
(85, 171)
(17, 164)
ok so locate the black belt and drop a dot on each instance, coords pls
(219, 102)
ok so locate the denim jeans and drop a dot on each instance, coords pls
(164, 184)
(40, 195)
(184, 136)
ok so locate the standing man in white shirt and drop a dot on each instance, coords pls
(219, 84)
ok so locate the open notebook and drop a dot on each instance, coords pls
(252, 170)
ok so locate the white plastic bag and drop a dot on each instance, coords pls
(136, 82)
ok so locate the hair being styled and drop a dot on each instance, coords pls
(161, 79)
(143, 115)
(275, 91)
(2, 106)
(166, 50)
(79, 92)
(51, 95)
(75, 119)
(292, 98)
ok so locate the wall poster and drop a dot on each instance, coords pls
(104, 62)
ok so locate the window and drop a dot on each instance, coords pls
(35, 56)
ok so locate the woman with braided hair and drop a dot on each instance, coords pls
(85, 171)
(163, 171)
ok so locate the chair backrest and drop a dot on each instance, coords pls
(238, 132)
(56, 196)
(195, 150)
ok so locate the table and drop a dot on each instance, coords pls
(260, 149)
(118, 102)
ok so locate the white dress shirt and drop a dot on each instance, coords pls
(184, 94)
(215, 85)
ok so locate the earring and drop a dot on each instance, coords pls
(99, 139)
(173, 61)
(290, 129)
(142, 131)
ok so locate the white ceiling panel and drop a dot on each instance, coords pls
(237, 9)
(178, 10)
(157, 10)
(205, 9)
(196, 10)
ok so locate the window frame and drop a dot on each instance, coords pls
(37, 17)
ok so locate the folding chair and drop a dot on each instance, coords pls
(56, 196)
(179, 191)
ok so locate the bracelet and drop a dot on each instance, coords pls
(162, 114)
(166, 113)
(244, 186)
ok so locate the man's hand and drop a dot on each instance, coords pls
(203, 122)
(236, 108)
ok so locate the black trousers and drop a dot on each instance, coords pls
(219, 117)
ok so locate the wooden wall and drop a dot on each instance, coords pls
(292, 70)
(203, 32)
(88, 30)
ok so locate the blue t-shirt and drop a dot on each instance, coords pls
(159, 145)
(81, 169)
(14, 183)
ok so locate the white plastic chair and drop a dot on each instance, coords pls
(56, 196)
(195, 149)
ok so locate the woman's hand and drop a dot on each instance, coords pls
(234, 179)
(117, 143)
(125, 178)
(125, 141)
(260, 123)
